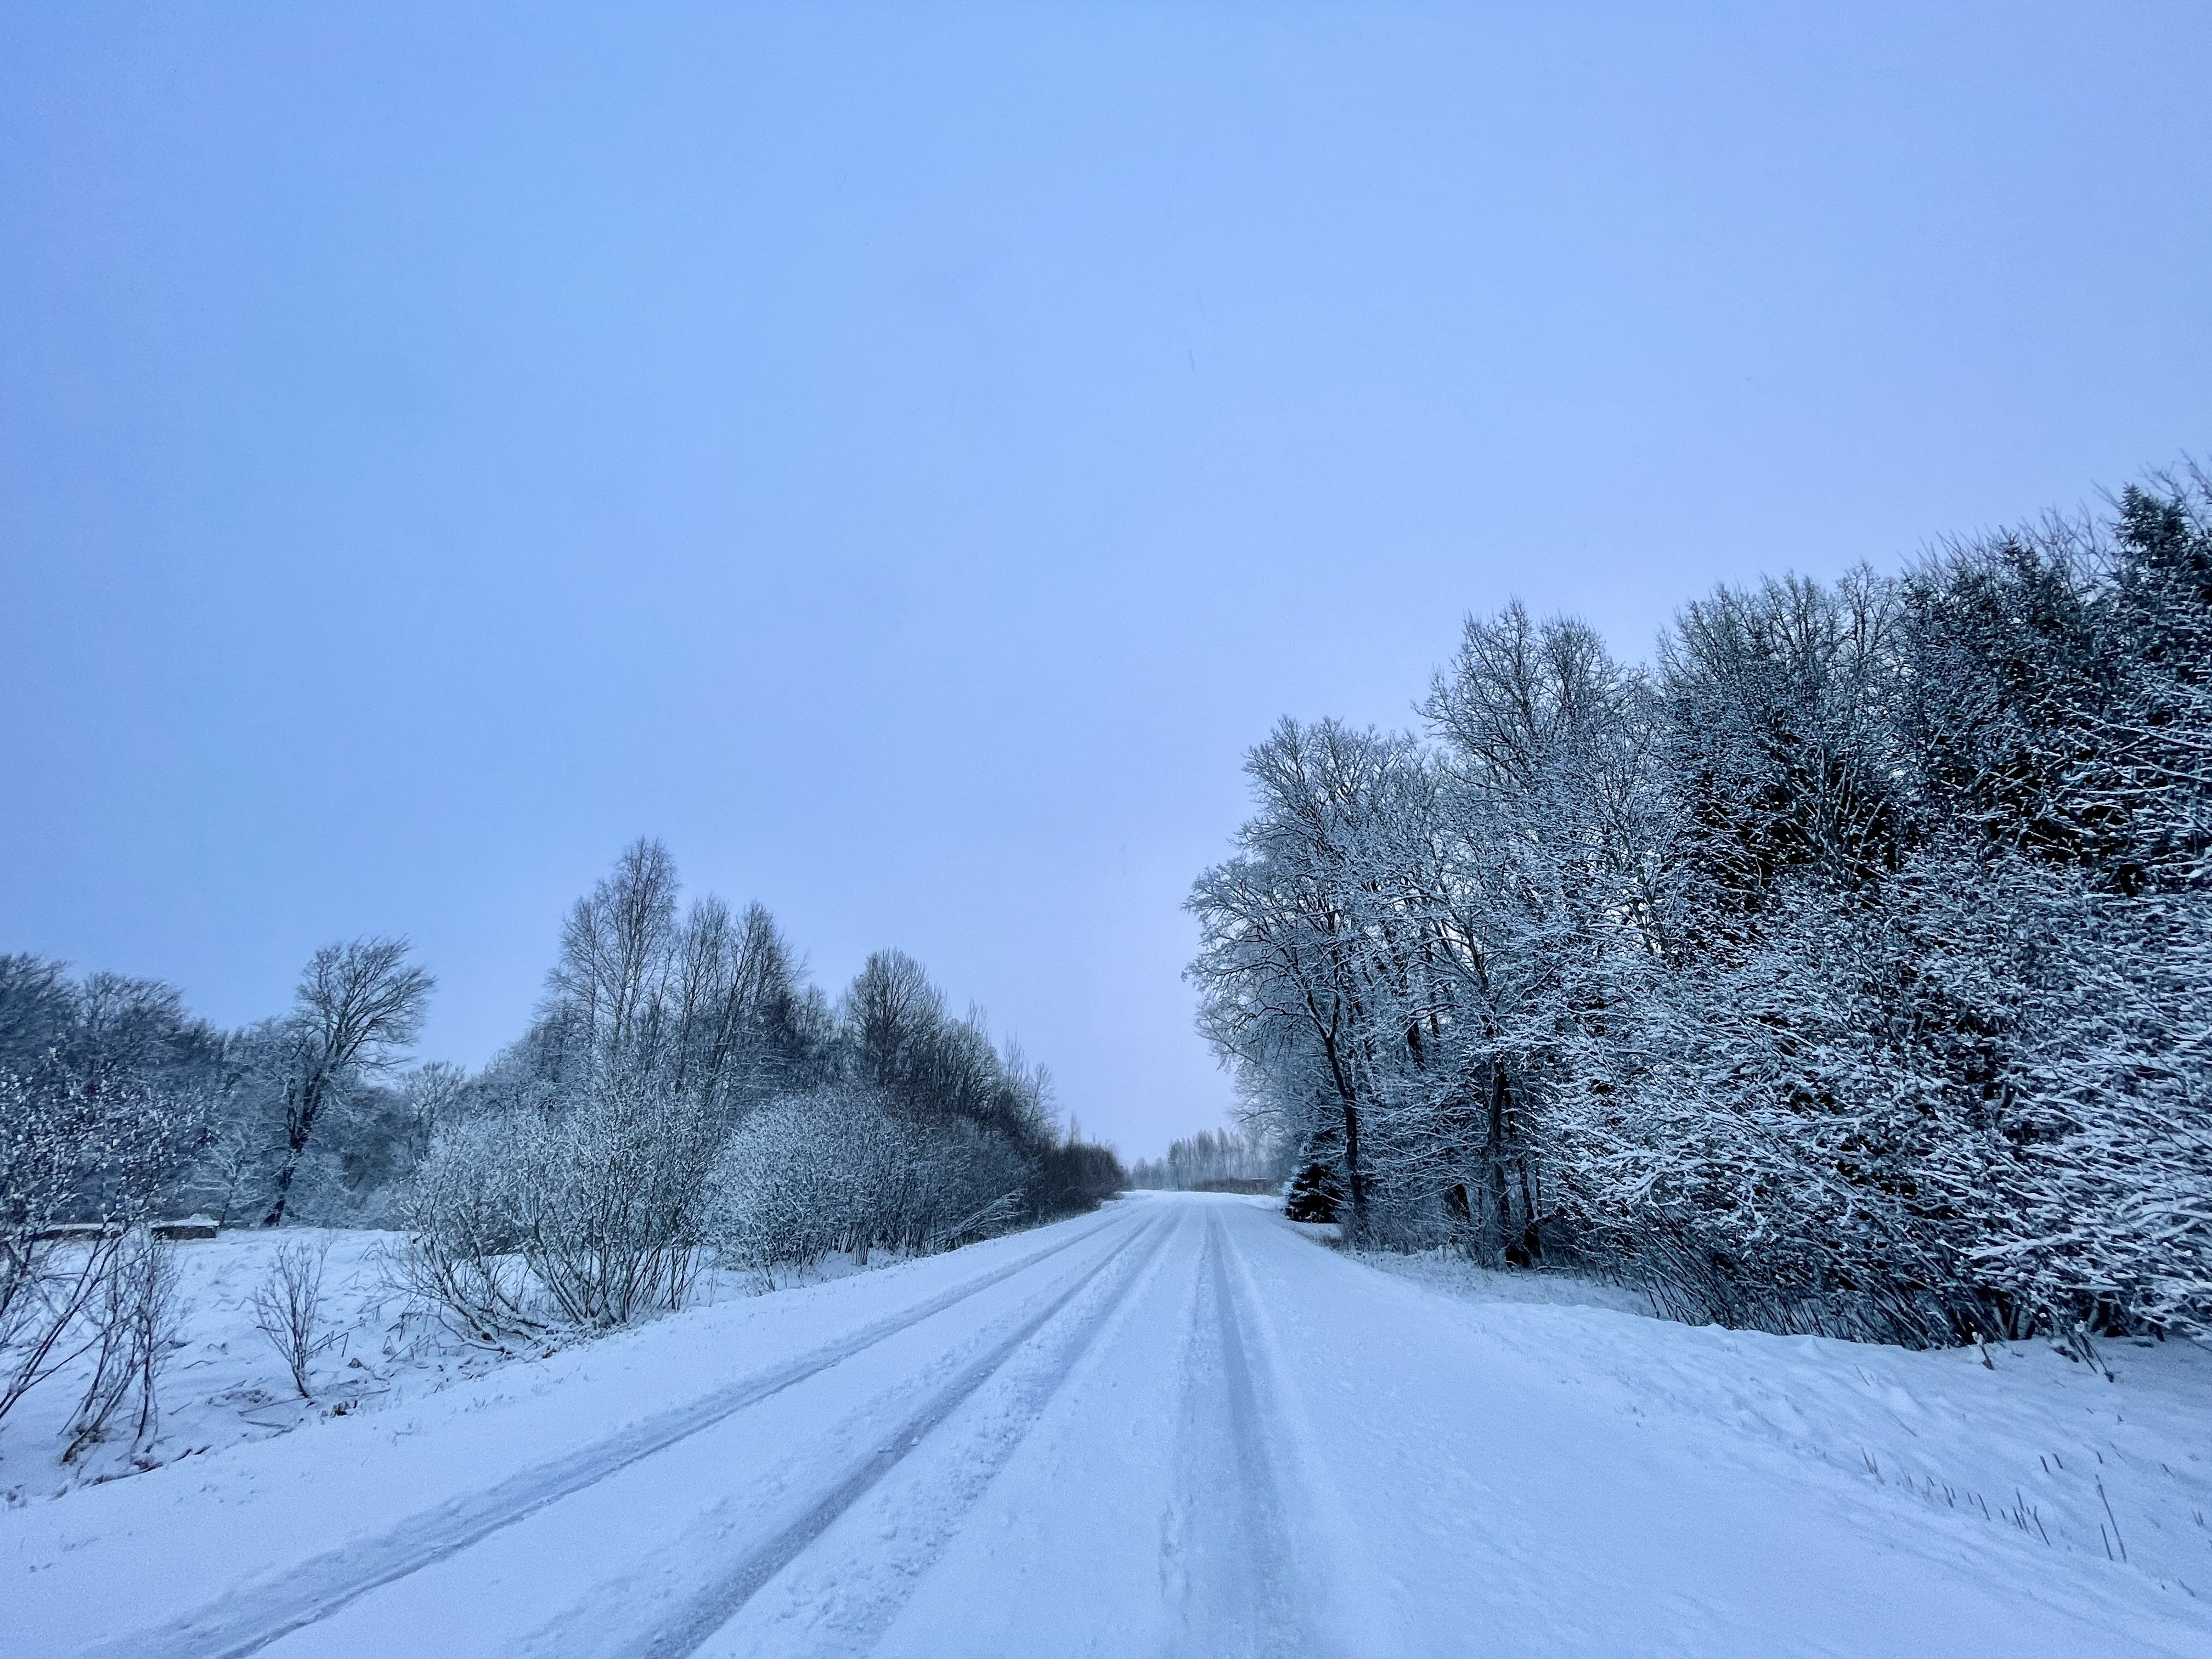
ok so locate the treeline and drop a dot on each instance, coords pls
(1245, 1154)
(683, 1091)
(682, 1096)
(121, 1104)
(1844, 970)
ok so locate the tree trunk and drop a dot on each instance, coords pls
(1532, 1240)
(300, 1116)
(1501, 1199)
(1353, 1180)
(1355, 1184)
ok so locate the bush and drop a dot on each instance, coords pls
(832, 1169)
(587, 1216)
(1076, 1176)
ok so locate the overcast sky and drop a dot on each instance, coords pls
(902, 456)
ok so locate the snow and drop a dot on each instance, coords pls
(2104, 1461)
(226, 1386)
(1180, 1426)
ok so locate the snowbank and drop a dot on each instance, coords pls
(2112, 1461)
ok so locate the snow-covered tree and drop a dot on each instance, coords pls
(1844, 972)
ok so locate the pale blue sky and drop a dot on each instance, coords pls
(902, 455)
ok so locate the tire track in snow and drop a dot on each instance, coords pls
(1271, 1617)
(899, 1571)
(722, 1601)
(246, 1620)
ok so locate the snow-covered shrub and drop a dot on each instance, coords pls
(807, 1174)
(610, 1198)
(131, 1319)
(968, 1181)
(833, 1170)
(83, 1155)
(463, 1216)
(2080, 1154)
(288, 1310)
(1074, 1176)
(587, 1215)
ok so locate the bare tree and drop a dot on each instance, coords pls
(617, 949)
(287, 1309)
(133, 1318)
(359, 1004)
(893, 1015)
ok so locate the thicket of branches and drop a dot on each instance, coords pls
(1847, 969)
(118, 1111)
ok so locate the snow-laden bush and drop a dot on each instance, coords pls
(288, 1310)
(611, 1200)
(588, 1215)
(1075, 1176)
(133, 1333)
(832, 1169)
(463, 1255)
(1970, 1103)
(82, 1158)
(808, 1174)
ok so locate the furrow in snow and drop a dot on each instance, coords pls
(846, 1598)
(715, 1607)
(1271, 1621)
(250, 1618)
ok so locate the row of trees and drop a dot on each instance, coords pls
(1848, 968)
(684, 1093)
(1245, 1154)
(681, 1094)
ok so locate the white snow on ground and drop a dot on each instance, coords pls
(2113, 1460)
(225, 1385)
(1441, 1270)
(1181, 1425)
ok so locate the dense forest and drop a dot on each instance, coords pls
(1844, 969)
(683, 1096)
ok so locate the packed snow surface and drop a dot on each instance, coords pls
(1182, 1425)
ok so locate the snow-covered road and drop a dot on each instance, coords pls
(1179, 1426)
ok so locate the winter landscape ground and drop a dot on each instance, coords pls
(1181, 1425)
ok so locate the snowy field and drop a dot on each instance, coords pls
(1180, 1426)
(225, 1385)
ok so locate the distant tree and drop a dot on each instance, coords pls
(894, 1022)
(37, 1009)
(617, 949)
(358, 1005)
(703, 1004)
